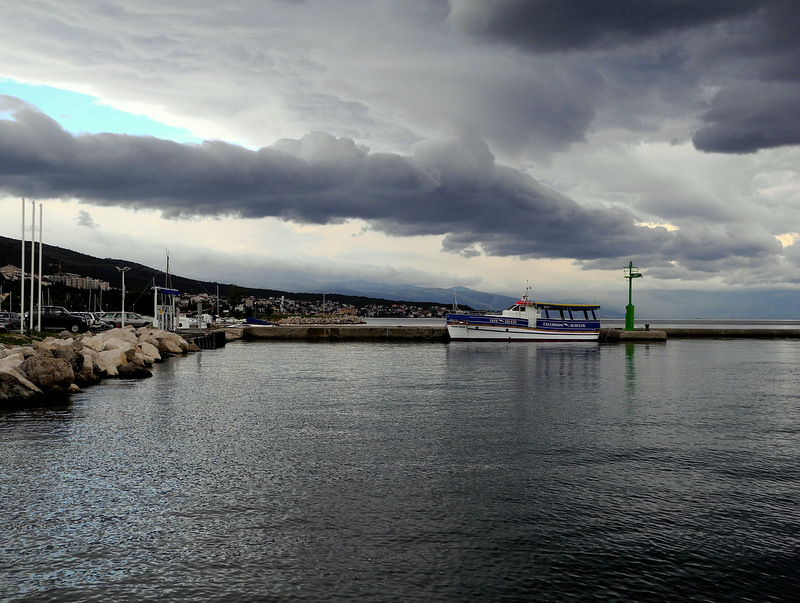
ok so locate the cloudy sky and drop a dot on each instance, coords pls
(285, 144)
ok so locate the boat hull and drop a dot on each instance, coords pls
(467, 332)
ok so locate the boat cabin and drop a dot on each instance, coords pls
(531, 309)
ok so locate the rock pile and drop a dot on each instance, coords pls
(61, 365)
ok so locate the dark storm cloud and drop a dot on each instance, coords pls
(454, 189)
(450, 189)
(748, 118)
(747, 49)
(555, 25)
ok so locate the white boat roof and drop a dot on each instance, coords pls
(556, 305)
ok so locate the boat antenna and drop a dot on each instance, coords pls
(167, 275)
(455, 303)
(527, 288)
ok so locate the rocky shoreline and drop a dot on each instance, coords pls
(58, 366)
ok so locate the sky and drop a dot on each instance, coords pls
(289, 144)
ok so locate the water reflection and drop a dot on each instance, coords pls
(630, 371)
(414, 471)
(51, 418)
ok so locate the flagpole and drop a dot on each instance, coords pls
(39, 320)
(22, 276)
(33, 256)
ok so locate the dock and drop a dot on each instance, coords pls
(338, 333)
(614, 335)
(215, 338)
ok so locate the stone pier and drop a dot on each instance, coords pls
(339, 333)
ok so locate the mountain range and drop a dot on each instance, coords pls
(774, 304)
(141, 277)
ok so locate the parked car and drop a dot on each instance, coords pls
(94, 321)
(132, 319)
(9, 321)
(58, 318)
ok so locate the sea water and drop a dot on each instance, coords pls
(299, 471)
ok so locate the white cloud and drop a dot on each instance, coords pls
(85, 219)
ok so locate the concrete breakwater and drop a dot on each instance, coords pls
(318, 332)
(658, 334)
(755, 333)
(354, 332)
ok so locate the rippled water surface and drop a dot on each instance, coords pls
(415, 472)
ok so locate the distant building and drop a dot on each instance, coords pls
(10, 272)
(76, 281)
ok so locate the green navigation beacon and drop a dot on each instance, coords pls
(631, 272)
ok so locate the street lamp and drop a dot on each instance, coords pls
(123, 271)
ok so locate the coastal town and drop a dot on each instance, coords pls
(80, 293)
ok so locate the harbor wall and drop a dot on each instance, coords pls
(340, 333)
(612, 335)
(439, 333)
(733, 333)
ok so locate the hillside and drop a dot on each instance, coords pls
(142, 278)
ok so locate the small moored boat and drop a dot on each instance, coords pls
(528, 320)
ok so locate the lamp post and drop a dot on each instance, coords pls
(631, 272)
(123, 271)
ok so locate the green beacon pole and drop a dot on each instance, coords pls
(631, 272)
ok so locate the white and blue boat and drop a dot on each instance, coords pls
(528, 320)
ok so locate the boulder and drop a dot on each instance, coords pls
(126, 347)
(49, 374)
(143, 359)
(24, 351)
(73, 357)
(169, 342)
(84, 374)
(109, 361)
(128, 334)
(113, 338)
(12, 362)
(131, 370)
(16, 389)
(169, 347)
(53, 343)
(95, 342)
(150, 350)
